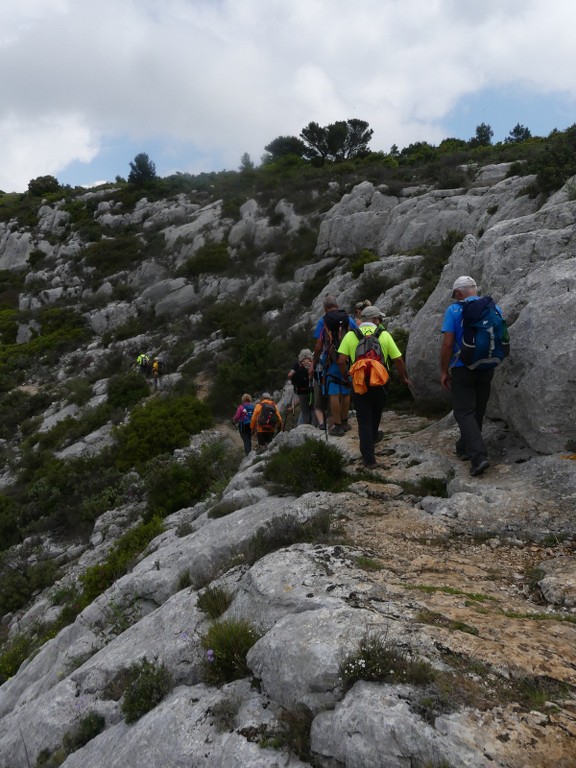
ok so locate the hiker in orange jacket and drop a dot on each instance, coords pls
(266, 420)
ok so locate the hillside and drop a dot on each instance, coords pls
(132, 531)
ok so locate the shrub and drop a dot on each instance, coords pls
(284, 531)
(312, 466)
(9, 518)
(366, 257)
(87, 729)
(13, 654)
(78, 391)
(211, 258)
(62, 329)
(98, 578)
(8, 326)
(20, 580)
(42, 185)
(113, 254)
(158, 427)
(127, 389)
(226, 644)
(61, 493)
(69, 430)
(148, 684)
(214, 601)
(380, 660)
(188, 481)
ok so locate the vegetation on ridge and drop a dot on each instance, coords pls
(50, 354)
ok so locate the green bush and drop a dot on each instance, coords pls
(214, 601)
(313, 466)
(21, 580)
(13, 655)
(148, 684)
(61, 329)
(127, 389)
(121, 558)
(366, 257)
(379, 660)
(8, 326)
(211, 258)
(172, 485)
(226, 644)
(286, 530)
(113, 254)
(9, 522)
(70, 430)
(82, 219)
(87, 729)
(553, 160)
(61, 493)
(78, 391)
(160, 426)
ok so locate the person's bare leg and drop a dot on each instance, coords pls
(335, 409)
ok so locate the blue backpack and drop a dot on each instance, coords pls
(247, 411)
(485, 339)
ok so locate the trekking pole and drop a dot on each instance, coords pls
(325, 413)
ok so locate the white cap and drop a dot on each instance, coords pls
(464, 281)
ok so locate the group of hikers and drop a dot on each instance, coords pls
(155, 368)
(350, 367)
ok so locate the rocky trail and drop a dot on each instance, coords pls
(487, 574)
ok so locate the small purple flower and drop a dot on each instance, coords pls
(210, 655)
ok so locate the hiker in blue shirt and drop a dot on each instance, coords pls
(330, 390)
(470, 388)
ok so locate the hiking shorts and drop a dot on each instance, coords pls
(333, 383)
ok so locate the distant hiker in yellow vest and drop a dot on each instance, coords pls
(143, 362)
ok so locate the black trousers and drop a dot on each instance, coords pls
(246, 436)
(264, 438)
(369, 409)
(470, 395)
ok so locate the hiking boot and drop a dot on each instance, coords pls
(322, 427)
(345, 426)
(479, 467)
(337, 431)
(373, 465)
(379, 436)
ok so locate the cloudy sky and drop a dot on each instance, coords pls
(85, 85)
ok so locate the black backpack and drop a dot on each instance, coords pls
(268, 417)
(336, 324)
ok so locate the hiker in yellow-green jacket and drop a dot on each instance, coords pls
(369, 376)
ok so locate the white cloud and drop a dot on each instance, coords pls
(41, 147)
(228, 76)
